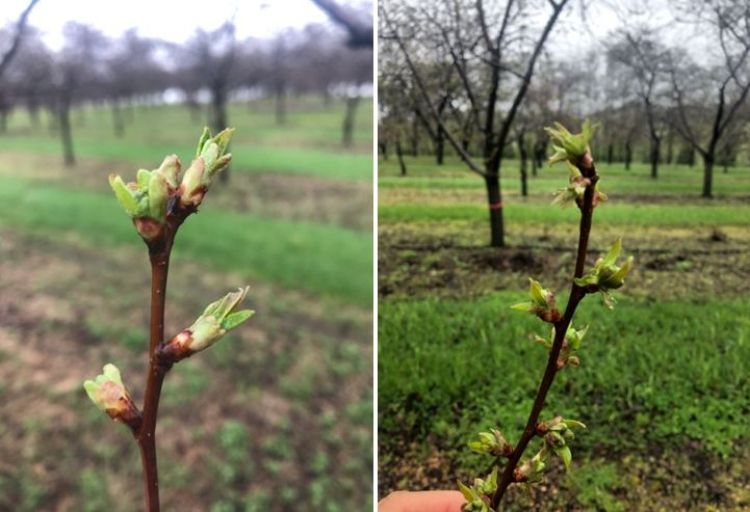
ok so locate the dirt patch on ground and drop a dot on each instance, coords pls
(278, 414)
(287, 196)
(685, 479)
(669, 263)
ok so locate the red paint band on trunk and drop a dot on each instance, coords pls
(496, 206)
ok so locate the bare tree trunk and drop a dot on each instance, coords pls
(708, 174)
(65, 132)
(383, 147)
(655, 155)
(494, 199)
(610, 153)
(400, 155)
(628, 155)
(348, 127)
(524, 157)
(440, 146)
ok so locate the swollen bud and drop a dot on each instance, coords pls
(573, 148)
(111, 396)
(478, 496)
(493, 443)
(211, 158)
(606, 274)
(542, 303)
(217, 319)
(170, 170)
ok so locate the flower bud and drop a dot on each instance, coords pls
(125, 195)
(111, 396)
(158, 196)
(606, 274)
(542, 303)
(492, 442)
(170, 170)
(211, 158)
(192, 188)
(573, 148)
(531, 470)
(217, 319)
(478, 495)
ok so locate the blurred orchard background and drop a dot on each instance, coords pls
(279, 415)
(466, 88)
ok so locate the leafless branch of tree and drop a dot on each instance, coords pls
(7, 57)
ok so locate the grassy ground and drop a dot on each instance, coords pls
(278, 416)
(663, 379)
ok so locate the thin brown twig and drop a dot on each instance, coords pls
(159, 253)
(576, 294)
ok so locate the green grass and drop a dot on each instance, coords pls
(322, 259)
(673, 179)
(651, 372)
(614, 214)
(308, 144)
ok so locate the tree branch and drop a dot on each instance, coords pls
(425, 95)
(561, 327)
(360, 34)
(7, 57)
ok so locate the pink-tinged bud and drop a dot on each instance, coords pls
(193, 186)
(147, 227)
(170, 170)
(111, 396)
(217, 319)
(542, 303)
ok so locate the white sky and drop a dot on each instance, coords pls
(172, 20)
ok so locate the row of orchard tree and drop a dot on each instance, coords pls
(211, 68)
(479, 79)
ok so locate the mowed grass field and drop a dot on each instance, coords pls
(663, 379)
(278, 416)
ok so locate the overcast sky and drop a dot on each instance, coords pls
(173, 20)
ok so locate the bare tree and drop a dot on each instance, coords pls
(77, 72)
(503, 53)
(15, 44)
(645, 60)
(712, 97)
(211, 56)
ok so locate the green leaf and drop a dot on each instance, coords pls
(142, 178)
(202, 140)
(469, 494)
(613, 253)
(233, 320)
(124, 195)
(523, 306)
(564, 453)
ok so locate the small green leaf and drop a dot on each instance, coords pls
(613, 253)
(564, 453)
(233, 320)
(142, 178)
(202, 140)
(466, 491)
(124, 195)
